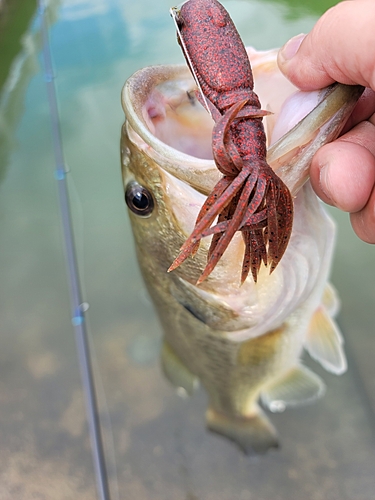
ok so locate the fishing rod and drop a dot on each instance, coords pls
(78, 307)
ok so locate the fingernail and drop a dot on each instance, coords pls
(290, 49)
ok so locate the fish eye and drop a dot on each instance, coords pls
(139, 199)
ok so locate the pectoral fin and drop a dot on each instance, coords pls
(299, 386)
(324, 342)
(206, 307)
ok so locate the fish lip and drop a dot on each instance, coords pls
(140, 83)
(336, 102)
(199, 173)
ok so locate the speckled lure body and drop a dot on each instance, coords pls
(250, 197)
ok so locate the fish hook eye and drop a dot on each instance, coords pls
(139, 199)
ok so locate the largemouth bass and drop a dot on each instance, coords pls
(242, 343)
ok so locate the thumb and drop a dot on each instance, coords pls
(339, 48)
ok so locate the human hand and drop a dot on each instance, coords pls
(340, 48)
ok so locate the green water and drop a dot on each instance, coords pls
(156, 444)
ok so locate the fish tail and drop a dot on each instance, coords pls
(254, 434)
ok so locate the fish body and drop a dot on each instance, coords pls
(242, 343)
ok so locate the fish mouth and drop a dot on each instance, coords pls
(162, 109)
(172, 127)
(165, 121)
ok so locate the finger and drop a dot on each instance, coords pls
(363, 222)
(343, 172)
(339, 48)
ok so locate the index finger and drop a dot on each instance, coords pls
(339, 48)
